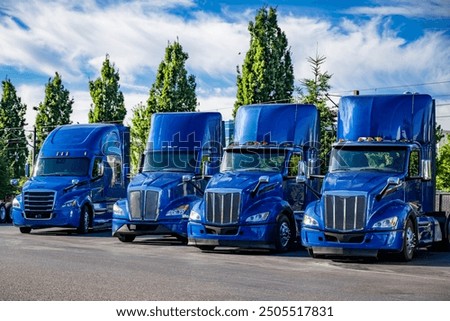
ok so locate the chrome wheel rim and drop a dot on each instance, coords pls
(410, 242)
(285, 234)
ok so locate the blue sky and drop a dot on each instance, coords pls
(375, 46)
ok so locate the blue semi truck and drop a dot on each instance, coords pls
(255, 200)
(379, 193)
(80, 172)
(183, 151)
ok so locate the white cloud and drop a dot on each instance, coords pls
(73, 40)
(435, 9)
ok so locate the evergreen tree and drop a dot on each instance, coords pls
(55, 110)
(267, 73)
(140, 127)
(108, 102)
(173, 89)
(443, 167)
(13, 142)
(317, 88)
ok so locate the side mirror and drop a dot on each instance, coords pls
(393, 181)
(186, 178)
(141, 163)
(27, 170)
(390, 181)
(205, 168)
(101, 169)
(75, 181)
(301, 176)
(14, 182)
(426, 170)
(263, 179)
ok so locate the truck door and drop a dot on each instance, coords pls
(294, 192)
(413, 188)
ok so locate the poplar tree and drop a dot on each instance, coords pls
(316, 91)
(108, 101)
(53, 111)
(443, 167)
(140, 127)
(173, 89)
(267, 73)
(13, 142)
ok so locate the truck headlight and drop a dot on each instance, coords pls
(260, 217)
(15, 203)
(387, 223)
(71, 203)
(180, 210)
(117, 210)
(310, 221)
(195, 216)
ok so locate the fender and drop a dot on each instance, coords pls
(403, 211)
(274, 205)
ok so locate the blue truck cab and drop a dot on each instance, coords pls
(379, 193)
(255, 200)
(80, 172)
(183, 151)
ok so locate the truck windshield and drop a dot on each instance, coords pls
(271, 160)
(172, 161)
(62, 167)
(376, 158)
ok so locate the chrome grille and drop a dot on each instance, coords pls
(146, 207)
(345, 213)
(222, 207)
(39, 204)
(135, 204)
(151, 205)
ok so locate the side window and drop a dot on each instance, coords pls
(111, 144)
(293, 164)
(97, 169)
(115, 164)
(414, 169)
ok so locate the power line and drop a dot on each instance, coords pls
(397, 86)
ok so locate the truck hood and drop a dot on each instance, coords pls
(366, 181)
(241, 180)
(56, 183)
(156, 179)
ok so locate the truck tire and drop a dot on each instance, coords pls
(9, 216)
(25, 229)
(409, 242)
(3, 214)
(283, 234)
(83, 228)
(206, 247)
(126, 238)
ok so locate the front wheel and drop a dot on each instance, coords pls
(206, 247)
(126, 238)
(83, 228)
(9, 213)
(25, 229)
(409, 242)
(2, 214)
(284, 240)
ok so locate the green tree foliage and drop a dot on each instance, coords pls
(140, 127)
(53, 111)
(108, 102)
(316, 91)
(13, 146)
(267, 73)
(173, 89)
(443, 167)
